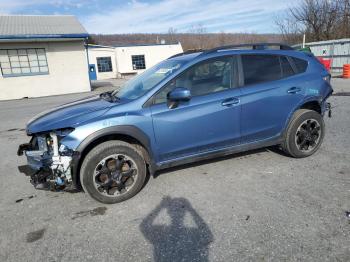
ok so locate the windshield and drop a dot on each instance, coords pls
(141, 84)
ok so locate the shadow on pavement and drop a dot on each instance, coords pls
(98, 84)
(177, 239)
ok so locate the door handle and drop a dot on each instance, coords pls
(230, 101)
(294, 90)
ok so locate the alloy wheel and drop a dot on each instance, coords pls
(115, 175)
(308, 135)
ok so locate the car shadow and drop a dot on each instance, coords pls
(177, 240)
(278, 150)
(274, 149)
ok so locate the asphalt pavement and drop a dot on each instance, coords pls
(255, 206)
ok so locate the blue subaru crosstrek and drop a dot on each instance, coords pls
(187, 108)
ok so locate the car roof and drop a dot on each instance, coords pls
(274, 48)
(185, 57)
(221, 52)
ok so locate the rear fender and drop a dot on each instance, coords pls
(299, 106)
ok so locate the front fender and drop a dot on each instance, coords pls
(127, 130)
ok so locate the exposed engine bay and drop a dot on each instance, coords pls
(49, 163)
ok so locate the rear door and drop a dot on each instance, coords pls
(270, 92)
(209, 121)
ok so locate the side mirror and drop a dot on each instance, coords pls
(179, 94)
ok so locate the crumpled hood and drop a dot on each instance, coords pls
(68, 115)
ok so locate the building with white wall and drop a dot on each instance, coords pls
(118, 61)
(42, 56)
(102, 62)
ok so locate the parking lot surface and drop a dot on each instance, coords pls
(255, 206)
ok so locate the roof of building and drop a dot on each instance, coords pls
(130, 45)
(40, 26)
(327, 42)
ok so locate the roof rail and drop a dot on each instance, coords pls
(191, 51)
(256, 46)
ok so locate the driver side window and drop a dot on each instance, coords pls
(206, 77)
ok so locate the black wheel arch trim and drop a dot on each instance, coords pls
(127, 130)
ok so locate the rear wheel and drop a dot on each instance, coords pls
(304, 134)
(112, 172)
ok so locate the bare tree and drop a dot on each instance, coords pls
(344, 23)
(199, 36)
(290, 31)
(318, 19)
(172, 34)
(222, 38)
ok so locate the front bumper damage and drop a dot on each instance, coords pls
(49, 165)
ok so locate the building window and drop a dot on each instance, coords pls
(104, 64)
(138, 62)
(23, 62)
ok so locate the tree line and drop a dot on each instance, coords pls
(189, 41)
(317, 19)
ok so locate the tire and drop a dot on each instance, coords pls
(106, 150)
(294, 144)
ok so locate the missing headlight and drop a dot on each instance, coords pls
(50, 160)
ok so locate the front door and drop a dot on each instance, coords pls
(209, 121)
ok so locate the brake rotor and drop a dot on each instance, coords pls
(103, 178)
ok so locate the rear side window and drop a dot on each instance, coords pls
(300, 65)
(287, 69)
(261, 68)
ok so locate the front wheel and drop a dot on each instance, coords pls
(112, 172)
(304, 134)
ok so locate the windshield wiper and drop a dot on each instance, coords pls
(108, 96)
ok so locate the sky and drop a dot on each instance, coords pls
(150, 16)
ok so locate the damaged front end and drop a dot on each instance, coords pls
(49, 163)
